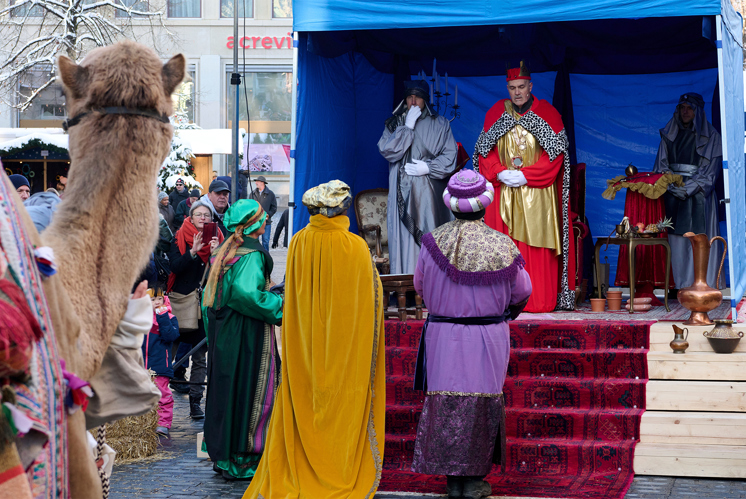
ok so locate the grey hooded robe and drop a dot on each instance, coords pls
(421, 197)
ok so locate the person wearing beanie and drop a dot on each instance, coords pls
(242, 360)
(522, 151)
(473, 281)
(166, 210)
(179, 194)
(331, 407)
(421, 151)
(22, 186)
(184, 207)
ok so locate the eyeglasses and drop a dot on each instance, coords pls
(202, 215)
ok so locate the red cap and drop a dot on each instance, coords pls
(519, 73)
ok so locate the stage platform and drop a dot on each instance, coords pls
(692, 416)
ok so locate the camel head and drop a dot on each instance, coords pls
(106, 226)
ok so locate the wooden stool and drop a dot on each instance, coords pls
(401, 283)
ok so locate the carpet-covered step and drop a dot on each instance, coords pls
(675, 395)
(399, 449)
(567, 425)
(560, 363)
(694, 428)
(578, 335)
(399, 392)
(712, 461)
(571, 393)
(403, 334)
(400, 361)
(402, 419)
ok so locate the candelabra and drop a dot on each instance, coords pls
(440, 101)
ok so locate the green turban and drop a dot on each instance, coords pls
(241, 212)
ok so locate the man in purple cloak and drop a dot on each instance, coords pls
(472, 279)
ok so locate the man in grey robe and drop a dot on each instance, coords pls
(421, 151)
(691, 147)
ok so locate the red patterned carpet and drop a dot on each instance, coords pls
(575, 394)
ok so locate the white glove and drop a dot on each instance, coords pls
(417, 167)
(519, 178)
(412, 115)
(510, 177)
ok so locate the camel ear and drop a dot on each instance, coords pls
(74, 77)
(173, 72)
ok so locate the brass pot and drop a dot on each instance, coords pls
(699, 297)
(679, 343)
(722, 338)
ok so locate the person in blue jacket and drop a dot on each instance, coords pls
(156, 350)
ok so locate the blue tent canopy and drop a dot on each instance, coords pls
(613, 69)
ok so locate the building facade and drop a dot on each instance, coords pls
(203, 31)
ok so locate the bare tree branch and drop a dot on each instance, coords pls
(34, 33)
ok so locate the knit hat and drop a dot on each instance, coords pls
(162, 196)
(468, 192)
(18, 181)
(329, 199)
(241, 212)
(194, 193)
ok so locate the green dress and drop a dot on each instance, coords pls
(243, 363)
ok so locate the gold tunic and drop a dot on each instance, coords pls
(531, 214)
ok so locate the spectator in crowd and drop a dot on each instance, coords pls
(242, 357)
(61, 185)
(268, 201)
(156, 348)
(189, 257)
(181, 193)
(41, 206)
(166, 210)
(282, 224)
(23, 188)
(217, 200)
(184, 207)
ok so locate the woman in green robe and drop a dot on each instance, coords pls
(243, 363)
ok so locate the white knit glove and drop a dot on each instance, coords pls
(412, 115)
(509, 177)
(416, 168)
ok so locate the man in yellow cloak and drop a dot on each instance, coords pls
(326, 436)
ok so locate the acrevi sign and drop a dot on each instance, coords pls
(263, 42)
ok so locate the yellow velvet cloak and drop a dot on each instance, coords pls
(326, 436)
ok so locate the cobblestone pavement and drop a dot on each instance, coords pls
(180, 474)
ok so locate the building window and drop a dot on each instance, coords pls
(48, 106)
(266, 118)
(141, 5)
(282, 8)
(245, 8)
(183, 98)
(184, 8)
(25, 11)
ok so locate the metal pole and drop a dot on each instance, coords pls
(235, 80)
(293, 142)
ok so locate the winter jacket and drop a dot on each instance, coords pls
(156, 348)
(188, 270)
(168, 213)
(268, 201)
(177, 197)
(182, 211)
(40, 207)
(165, 234)
(282, 224)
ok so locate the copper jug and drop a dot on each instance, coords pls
(679, 343)
(699, 297)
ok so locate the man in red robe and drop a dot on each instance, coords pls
(522, 150)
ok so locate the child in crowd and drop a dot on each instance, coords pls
(156, 352)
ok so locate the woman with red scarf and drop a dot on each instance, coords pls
(188, 257)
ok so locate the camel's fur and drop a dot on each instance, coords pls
(106, 225)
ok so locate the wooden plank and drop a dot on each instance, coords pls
(661, 334)
(719, 396)
(707, 366)
(715, 461)
(695, 428)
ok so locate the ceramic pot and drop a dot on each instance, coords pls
(722, 338)
(699, 297)
(615, 303)
(598, 304)
(679, 343)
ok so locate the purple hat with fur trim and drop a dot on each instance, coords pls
(468, 192)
